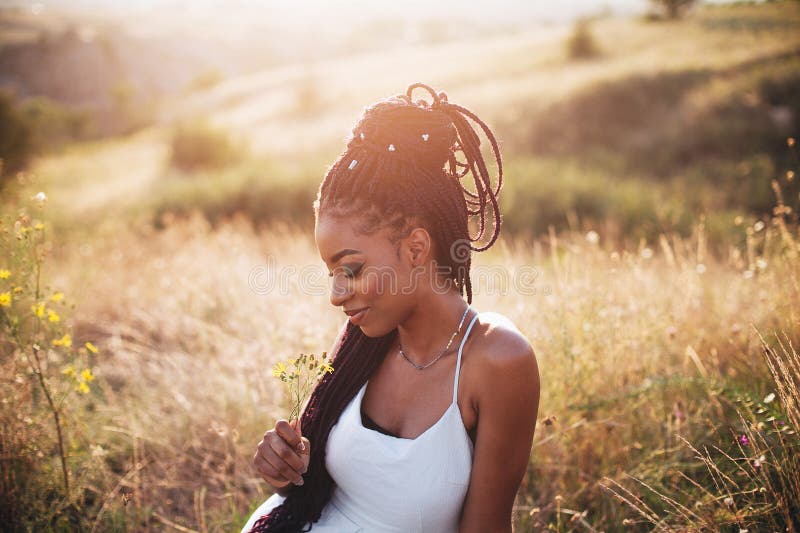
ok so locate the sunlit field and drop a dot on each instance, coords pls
(649, 252)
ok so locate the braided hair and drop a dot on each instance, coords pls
(400, 169)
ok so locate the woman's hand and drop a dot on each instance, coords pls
(283, 454)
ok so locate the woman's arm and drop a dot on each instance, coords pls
(507, 405)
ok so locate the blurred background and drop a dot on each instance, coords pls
(649, 155)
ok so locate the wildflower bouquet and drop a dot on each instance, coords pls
(301, 374)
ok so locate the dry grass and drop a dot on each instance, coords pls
(649, 354)
(623, 341)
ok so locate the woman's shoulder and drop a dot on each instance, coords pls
(502, 358)
(500, 329)
(501, 342)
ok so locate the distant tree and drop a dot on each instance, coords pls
(581, 44)
(673, 9)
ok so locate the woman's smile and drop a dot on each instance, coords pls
(358, 318)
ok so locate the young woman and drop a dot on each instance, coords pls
(426, 423)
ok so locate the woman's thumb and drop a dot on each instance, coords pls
(303, 446)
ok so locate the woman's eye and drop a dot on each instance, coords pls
(349, 271)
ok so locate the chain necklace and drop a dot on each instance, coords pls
(426, 365)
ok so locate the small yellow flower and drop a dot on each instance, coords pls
(91, 347)
(327, 368)
(38, 226)
(38, 310)
(83, 387)
(278, 369)
(17, 290)
(57, 297)
(5, 299)
(69, 371)
(87, 375)
(4, 274)
(52, 316)
(65, 341)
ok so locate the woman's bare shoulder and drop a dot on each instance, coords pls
(501, 351)
(500, 335)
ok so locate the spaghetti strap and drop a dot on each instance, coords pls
(458, 361)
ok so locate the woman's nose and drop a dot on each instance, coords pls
(340, 291)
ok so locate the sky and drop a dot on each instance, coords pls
(341, 11)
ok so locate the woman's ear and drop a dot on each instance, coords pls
(418, 246)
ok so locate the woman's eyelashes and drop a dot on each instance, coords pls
(350, 271)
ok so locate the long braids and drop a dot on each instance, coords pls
(399, 167)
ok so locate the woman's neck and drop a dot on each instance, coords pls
(431, 324)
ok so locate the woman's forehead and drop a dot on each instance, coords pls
(336, 236)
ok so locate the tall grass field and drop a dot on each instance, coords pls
(650, 249)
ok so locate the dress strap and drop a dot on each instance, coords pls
(458, 361)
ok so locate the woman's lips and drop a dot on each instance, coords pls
(358, 318)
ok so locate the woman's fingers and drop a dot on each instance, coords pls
(285, 469)
(287, 455)
(282, 455)
(269, 472)
(288, 433)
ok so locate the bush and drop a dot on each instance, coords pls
(16, 137)
(582, 44)
(34, 126)
(199, 145)
(205, 80)
(673, 9)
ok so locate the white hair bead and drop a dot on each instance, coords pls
(425, 136)
(361, 135)
(353, 164)
(391, 148)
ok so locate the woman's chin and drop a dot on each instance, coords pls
(370, 331)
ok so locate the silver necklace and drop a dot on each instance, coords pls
(453, 336)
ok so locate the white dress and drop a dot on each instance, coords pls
(391, 484)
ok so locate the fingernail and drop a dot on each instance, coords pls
(300, 482)
(302, 446)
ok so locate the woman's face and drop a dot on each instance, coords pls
(367, 273)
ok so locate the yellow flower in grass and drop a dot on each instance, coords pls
(87, 375)
(4, 274)
(5, 299)
(57, 297)
(69, 371)
(65, 341)
(17, 290)
(83, 387)
(52, 316)
(327, 368)
(91, 347)
(38, 310)
(279, 369)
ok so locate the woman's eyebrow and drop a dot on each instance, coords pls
(341, 253)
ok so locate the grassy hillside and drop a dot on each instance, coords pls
(672, 121)
(649, 252)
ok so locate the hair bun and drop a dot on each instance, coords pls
(414, 133)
